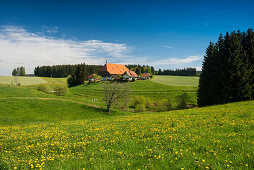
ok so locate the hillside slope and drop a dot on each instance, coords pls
(216, 137)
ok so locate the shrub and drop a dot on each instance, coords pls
(149, 103)
(133, 79)
(139, 103)
(44, 88)
(182, 101)
(163, 105)
(69, 80)
(18, 84)
(99, 78)
(61, 90)
(168, 104)
(140, 108)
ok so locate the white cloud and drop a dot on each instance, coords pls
(166, 46)
(18, 47)
(199, 68)
(178, 61)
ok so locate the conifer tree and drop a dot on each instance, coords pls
(14, 72)
(228, 70)
(249, 48)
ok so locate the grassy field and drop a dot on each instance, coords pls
(176, 80)
(30, 110)
(147, 88)
(24, 81)
(217, 137)
(39, 130)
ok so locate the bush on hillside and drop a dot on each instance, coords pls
(44, 88)
(139, 103)
(163, 105)
(182, 101)
(149, 103)
(61, 90)
(69, 80)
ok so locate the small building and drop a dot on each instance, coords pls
(128, 75)
(110, 71)
(91, 78)
(145, 76)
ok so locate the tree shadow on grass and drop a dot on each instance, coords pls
(102, 110)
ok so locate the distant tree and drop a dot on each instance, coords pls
(114, 92)
(159, 72)
(19, 71)
(138, 71)
(14, 72)
(22, 71)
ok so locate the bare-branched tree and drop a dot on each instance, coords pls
(114, 93)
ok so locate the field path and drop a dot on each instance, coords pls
(59, 99)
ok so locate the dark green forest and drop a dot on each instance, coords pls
(178, 72)
(228, 69)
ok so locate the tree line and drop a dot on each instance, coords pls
(19, 71)
(228, 69)
(178, 72)
(79, 73)
(140, 69)
(59, 71)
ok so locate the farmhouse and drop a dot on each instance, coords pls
(145, 76)
(110, 71)
(91, 78)
(128, 75)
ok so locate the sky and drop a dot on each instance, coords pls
(164, 34)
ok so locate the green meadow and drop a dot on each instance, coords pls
(176, 80)
(24, 81)
(45, 131)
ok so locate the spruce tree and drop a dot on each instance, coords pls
(206, 86)
(14, 72)
(249, 48)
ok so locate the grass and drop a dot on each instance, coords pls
(24, 81)
(25, 111)
(147, 88)
(176, 80)
(217, 137)
(39, 130)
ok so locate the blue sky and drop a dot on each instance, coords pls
(165, 34)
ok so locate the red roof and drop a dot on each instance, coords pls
(91, 76)
(114, 68)
(131, 73)
(146, 75)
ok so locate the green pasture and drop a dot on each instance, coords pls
(17, 111)
(147, 88)
(44, 131)
(24, 81)
(176, 80)
(217, 137)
